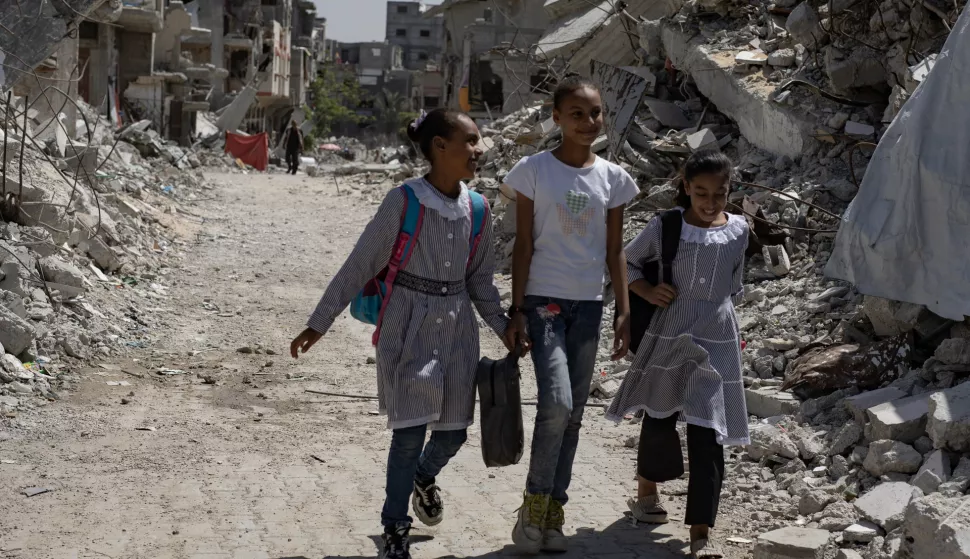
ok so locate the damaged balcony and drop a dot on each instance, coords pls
(145, 16)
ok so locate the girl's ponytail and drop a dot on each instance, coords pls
(424, 129)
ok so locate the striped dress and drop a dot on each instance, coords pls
(689, 361)
(428, 351)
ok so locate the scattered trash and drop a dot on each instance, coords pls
(34, 491)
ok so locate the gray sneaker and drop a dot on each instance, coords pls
(648, 509)
(529, 527)
(553, 538)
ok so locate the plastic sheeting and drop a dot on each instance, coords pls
(905, 237)
(251, 150)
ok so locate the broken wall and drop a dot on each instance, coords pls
(136, 56)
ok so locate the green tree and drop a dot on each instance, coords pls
(334, 100)
(394, 112)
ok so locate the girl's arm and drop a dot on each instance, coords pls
(616, 263)
(369, 257)
(737, 291)
(481, 280)
(642, 249)
(523, 248)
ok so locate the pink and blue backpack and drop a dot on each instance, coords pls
(368, 306)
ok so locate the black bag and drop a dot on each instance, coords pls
(642, 311)
(503, 437)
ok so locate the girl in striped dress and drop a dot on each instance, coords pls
(428, 350)
(688, 365)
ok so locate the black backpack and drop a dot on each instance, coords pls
(503, 437)
(642, 311)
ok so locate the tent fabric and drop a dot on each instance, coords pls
(251, 150)
(905, 235)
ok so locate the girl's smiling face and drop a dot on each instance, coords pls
(708, 196)
(580, 115)
(459, 153)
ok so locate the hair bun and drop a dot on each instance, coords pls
(413, 134)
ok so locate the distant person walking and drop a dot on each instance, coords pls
(293, 140)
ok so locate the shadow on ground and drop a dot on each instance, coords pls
(621, 537)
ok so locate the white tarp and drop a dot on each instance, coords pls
(906, 236)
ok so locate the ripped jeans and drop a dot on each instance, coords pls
(564, 344)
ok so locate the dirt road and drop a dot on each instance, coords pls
(252, 466)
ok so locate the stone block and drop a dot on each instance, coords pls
(782, 58)
(848, 554)
(889, 457)
(955, 351)
(16, 335)
(776, 258)
(938, 527)
(934, 471)
(846, 439)
(948, 424)
(768, 440)
(885, 504)
(770, 402)
(58, 271)
(861, 532)
(858, 404)
(900, 420)
(792, 543)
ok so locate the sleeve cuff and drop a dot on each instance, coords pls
(319, 323)
(498, 323)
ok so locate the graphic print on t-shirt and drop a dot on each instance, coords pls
(575, 216)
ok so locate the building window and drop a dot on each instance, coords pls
(402, 9)
(422, 56)
(375, 52)
(425, 32)
(541, 83)
(401, 32)
(431, 102)
(487, 15)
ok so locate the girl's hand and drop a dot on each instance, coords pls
(517, 332)
(661, 295)
(303, 342)
(621, 337)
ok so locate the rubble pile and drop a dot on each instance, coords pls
(86, 237)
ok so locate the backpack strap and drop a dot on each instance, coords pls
(412, 217)
(479, 213)
(671, 223)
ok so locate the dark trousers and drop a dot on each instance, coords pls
(660, 459)
(292, 160)
(410, 460)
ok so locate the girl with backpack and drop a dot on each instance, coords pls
(569, 231)
(688, 365)
(428, 347)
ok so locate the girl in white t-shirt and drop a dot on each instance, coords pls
(569, 231)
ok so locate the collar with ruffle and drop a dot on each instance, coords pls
(730, 231)
(451, 209)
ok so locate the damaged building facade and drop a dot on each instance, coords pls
(167, 61)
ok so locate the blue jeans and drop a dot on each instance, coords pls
(407, 463)
(564, 345)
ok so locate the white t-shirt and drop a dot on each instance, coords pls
(569, 227)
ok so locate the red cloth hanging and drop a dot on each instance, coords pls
(251, 150)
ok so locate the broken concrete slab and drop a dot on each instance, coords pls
(775, 128)
(900, 420)
(858, 404)
(937, 528)
(792, 543)
(887, 457)
(782, 58)
(886, 503)
(861, 532)
(701, 140)
(955, 351)
(948, 423)
(934, 472)
(667, 113)
(804, 26)
(770, 402)
(752, 57)
(853, 128)
(776, 258)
